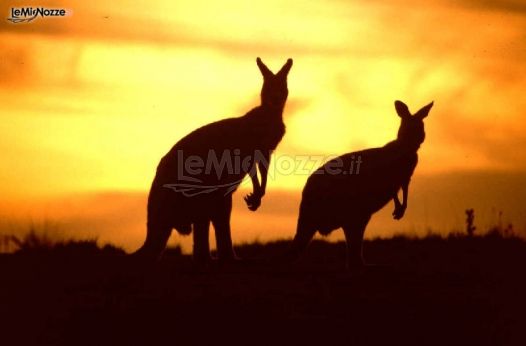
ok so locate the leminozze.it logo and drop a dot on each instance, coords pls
(27, 14)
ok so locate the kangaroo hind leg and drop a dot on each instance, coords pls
(354, 230)
(221, 222)
(201, 243)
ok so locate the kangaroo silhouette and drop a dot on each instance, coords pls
(346, 191)
(195, 180)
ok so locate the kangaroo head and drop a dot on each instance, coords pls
(411, 131)
(274, 92)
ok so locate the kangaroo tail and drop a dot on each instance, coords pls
(155, 243)
(304, 233)
(159, 225)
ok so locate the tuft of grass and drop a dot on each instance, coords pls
(470, 222)
(498, 230)
(36, 242)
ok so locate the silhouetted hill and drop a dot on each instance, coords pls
(431, 291)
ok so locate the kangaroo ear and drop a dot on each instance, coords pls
(264, 69)
(401, 109)
(285, 69)
(421, 114)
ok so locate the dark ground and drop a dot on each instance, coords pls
(455, 291)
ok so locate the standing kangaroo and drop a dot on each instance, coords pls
(195, 180)
(346, 191)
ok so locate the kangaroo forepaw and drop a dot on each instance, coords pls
(253, 201)
(398, 213)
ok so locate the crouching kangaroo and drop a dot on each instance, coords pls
(346, 191)
(195, 180)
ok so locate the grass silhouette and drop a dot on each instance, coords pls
(434, 290)
(37, 243)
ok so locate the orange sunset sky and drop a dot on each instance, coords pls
(90, 103)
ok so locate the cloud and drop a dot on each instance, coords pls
(15, 63)
(100, 22)
(510, 6)
(351, 60)
(499, 141)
